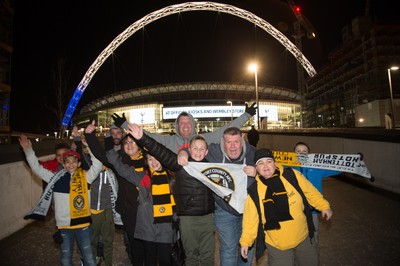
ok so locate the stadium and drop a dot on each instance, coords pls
(211, 104)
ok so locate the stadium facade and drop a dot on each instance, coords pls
(156, 107)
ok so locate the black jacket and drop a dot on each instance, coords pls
(192, 197)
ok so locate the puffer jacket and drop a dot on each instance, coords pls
(192, 197)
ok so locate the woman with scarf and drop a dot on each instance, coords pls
(277, 212)
(156, 206)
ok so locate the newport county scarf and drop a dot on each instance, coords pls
(79, 198)
(163, 200)
(276, 205)
(39, 212)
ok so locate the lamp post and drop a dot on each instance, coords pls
(253, 68)
(394, 68)
(230, 102)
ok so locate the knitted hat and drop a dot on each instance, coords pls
(71, 153)
(263, 153)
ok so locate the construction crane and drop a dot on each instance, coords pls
(298, 26)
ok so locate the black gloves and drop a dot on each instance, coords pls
(251, 110)
(118, 120)
(108, 143)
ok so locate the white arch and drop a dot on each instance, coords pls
(173, 9)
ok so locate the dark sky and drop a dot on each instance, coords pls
(189, 47)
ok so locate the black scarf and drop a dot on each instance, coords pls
(276, 205)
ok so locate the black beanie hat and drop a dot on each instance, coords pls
(263, 153)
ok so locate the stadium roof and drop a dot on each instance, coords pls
(183, 93)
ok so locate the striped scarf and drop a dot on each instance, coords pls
(79, 198)
(163, 200)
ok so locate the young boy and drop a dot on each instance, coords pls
(70, 189)
(315, 176)
(194, 201)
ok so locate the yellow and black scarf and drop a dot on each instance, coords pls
(276, 205)
(79, 199)
(163, 200)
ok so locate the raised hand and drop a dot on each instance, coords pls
(75, 131)
(24, 142)
(135, 131)
(251, 110)
(118, 120)
(90, 128)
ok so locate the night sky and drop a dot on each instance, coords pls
(190, 47)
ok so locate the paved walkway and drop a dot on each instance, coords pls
(364, 230)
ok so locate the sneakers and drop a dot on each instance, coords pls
(98, 261)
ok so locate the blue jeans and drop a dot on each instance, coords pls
(229, 229)
(82, 236)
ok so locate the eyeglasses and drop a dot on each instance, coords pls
(129, 142)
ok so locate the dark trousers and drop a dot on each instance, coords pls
(157, 253)
(134, 253)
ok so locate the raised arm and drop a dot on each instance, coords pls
(215, 137)
(33, 161)
(120, 121)
(97, 165)
(79, 142)
(164, 155)
(95, 146)
(124, 170)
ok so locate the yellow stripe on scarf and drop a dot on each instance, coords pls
(163, 200)
(78, 195)
(161, 189)
(163, 210)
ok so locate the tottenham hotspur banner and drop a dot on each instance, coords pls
(350, 163)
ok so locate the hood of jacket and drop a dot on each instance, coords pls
(242, 156)
(178, 133)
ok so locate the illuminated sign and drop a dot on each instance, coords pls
(269, 111)
(218, 111)
(142, 116)
(203, 111)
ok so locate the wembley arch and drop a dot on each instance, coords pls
(174, 9)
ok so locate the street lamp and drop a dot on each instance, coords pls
(253, 68)
(230, 102)
(394, 68)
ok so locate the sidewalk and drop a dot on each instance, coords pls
(364, 230)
